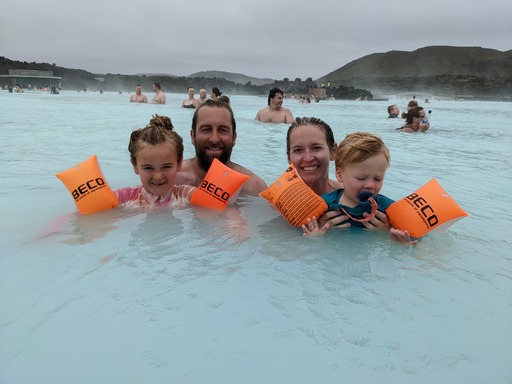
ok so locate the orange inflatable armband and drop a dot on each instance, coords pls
(87, 185)
(430, 207)
(218, 186)
(294, 199)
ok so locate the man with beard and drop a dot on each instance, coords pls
(214, 135)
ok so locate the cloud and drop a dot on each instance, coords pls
(263, 38)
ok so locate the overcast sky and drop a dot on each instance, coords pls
(259, 38)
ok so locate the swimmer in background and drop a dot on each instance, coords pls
(393, 111)
(414, 121)
(274, 112)
(225, 99)
(361, 162)
(215, 93)
(202, 97)
(159, 95)
(138, 97)
(156, 154)
(190, 102)
(410, 104)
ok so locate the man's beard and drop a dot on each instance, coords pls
(205, 161)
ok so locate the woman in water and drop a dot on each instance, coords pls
(310, 147)
(215, 93)
(414, 121)
(191, 101)
(156, 154)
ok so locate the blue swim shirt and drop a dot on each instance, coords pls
(332, 200)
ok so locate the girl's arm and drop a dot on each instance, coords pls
(183, 192)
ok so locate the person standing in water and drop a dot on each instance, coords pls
(415, 121)
(274, 112)
(190, 102)
(393, 111)
(202, 97)
(138, 97)
(215, 93)
(159, 95)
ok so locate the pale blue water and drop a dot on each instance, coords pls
(200, 297)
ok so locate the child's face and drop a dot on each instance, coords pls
(366, 176)
(157, 166)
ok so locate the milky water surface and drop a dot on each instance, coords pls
(198, 296)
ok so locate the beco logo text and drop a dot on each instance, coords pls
(214, 191)
(427, 212)
(88, 187)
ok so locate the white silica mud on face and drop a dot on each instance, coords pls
(155, 295)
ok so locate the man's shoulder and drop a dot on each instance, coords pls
(255, 183)
(187, 175)
(186, 164)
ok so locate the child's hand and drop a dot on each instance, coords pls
(312, 229)
(333, 219)
(402, 237)
(380, 221)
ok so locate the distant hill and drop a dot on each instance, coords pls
(234, 77)
(468, 72)
(440, 70)
(156, 74)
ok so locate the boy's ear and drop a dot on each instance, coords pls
(339, 175)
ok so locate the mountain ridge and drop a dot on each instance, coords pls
(235, 77)
(474, 72)
(435, 69)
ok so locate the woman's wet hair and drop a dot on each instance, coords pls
(159, 130)
(357, 147)
(216, 91)
(410, 104)
(224, 99)
(301, 121)
(412, 113)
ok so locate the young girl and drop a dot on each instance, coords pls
(156, 153)
(361, 163)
